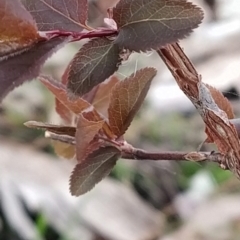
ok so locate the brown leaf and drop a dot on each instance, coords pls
(60, 108)
(221, 101)
(17, 29)
(93, 115)
(58, 14)
(64, 150)
(223, 104)
(151, 24)
(59, 90)
(66, 115)
(102, 97)
(97, 165)
(127, 97)
(61, 130)
(86, 131)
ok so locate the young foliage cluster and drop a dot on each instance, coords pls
(95, 106)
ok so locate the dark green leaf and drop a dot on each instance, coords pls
(95, 62)
(95, 167)
(127, 97)
(150, 24)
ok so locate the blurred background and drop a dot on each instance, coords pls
(139, 200)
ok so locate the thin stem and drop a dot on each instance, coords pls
(76, 36)
(61, 138)
(140, 154)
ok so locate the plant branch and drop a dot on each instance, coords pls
(77, 36)
(219, 129)
(140, 154)
(61, 138)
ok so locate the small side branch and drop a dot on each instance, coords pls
(139, 154)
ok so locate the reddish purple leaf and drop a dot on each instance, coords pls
(151, 24)
(25, 65)
(64, 79)
(58, 14)
(96, 166)
(95, 62)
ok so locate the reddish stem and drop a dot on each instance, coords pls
(76, 36)
(140, 154)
